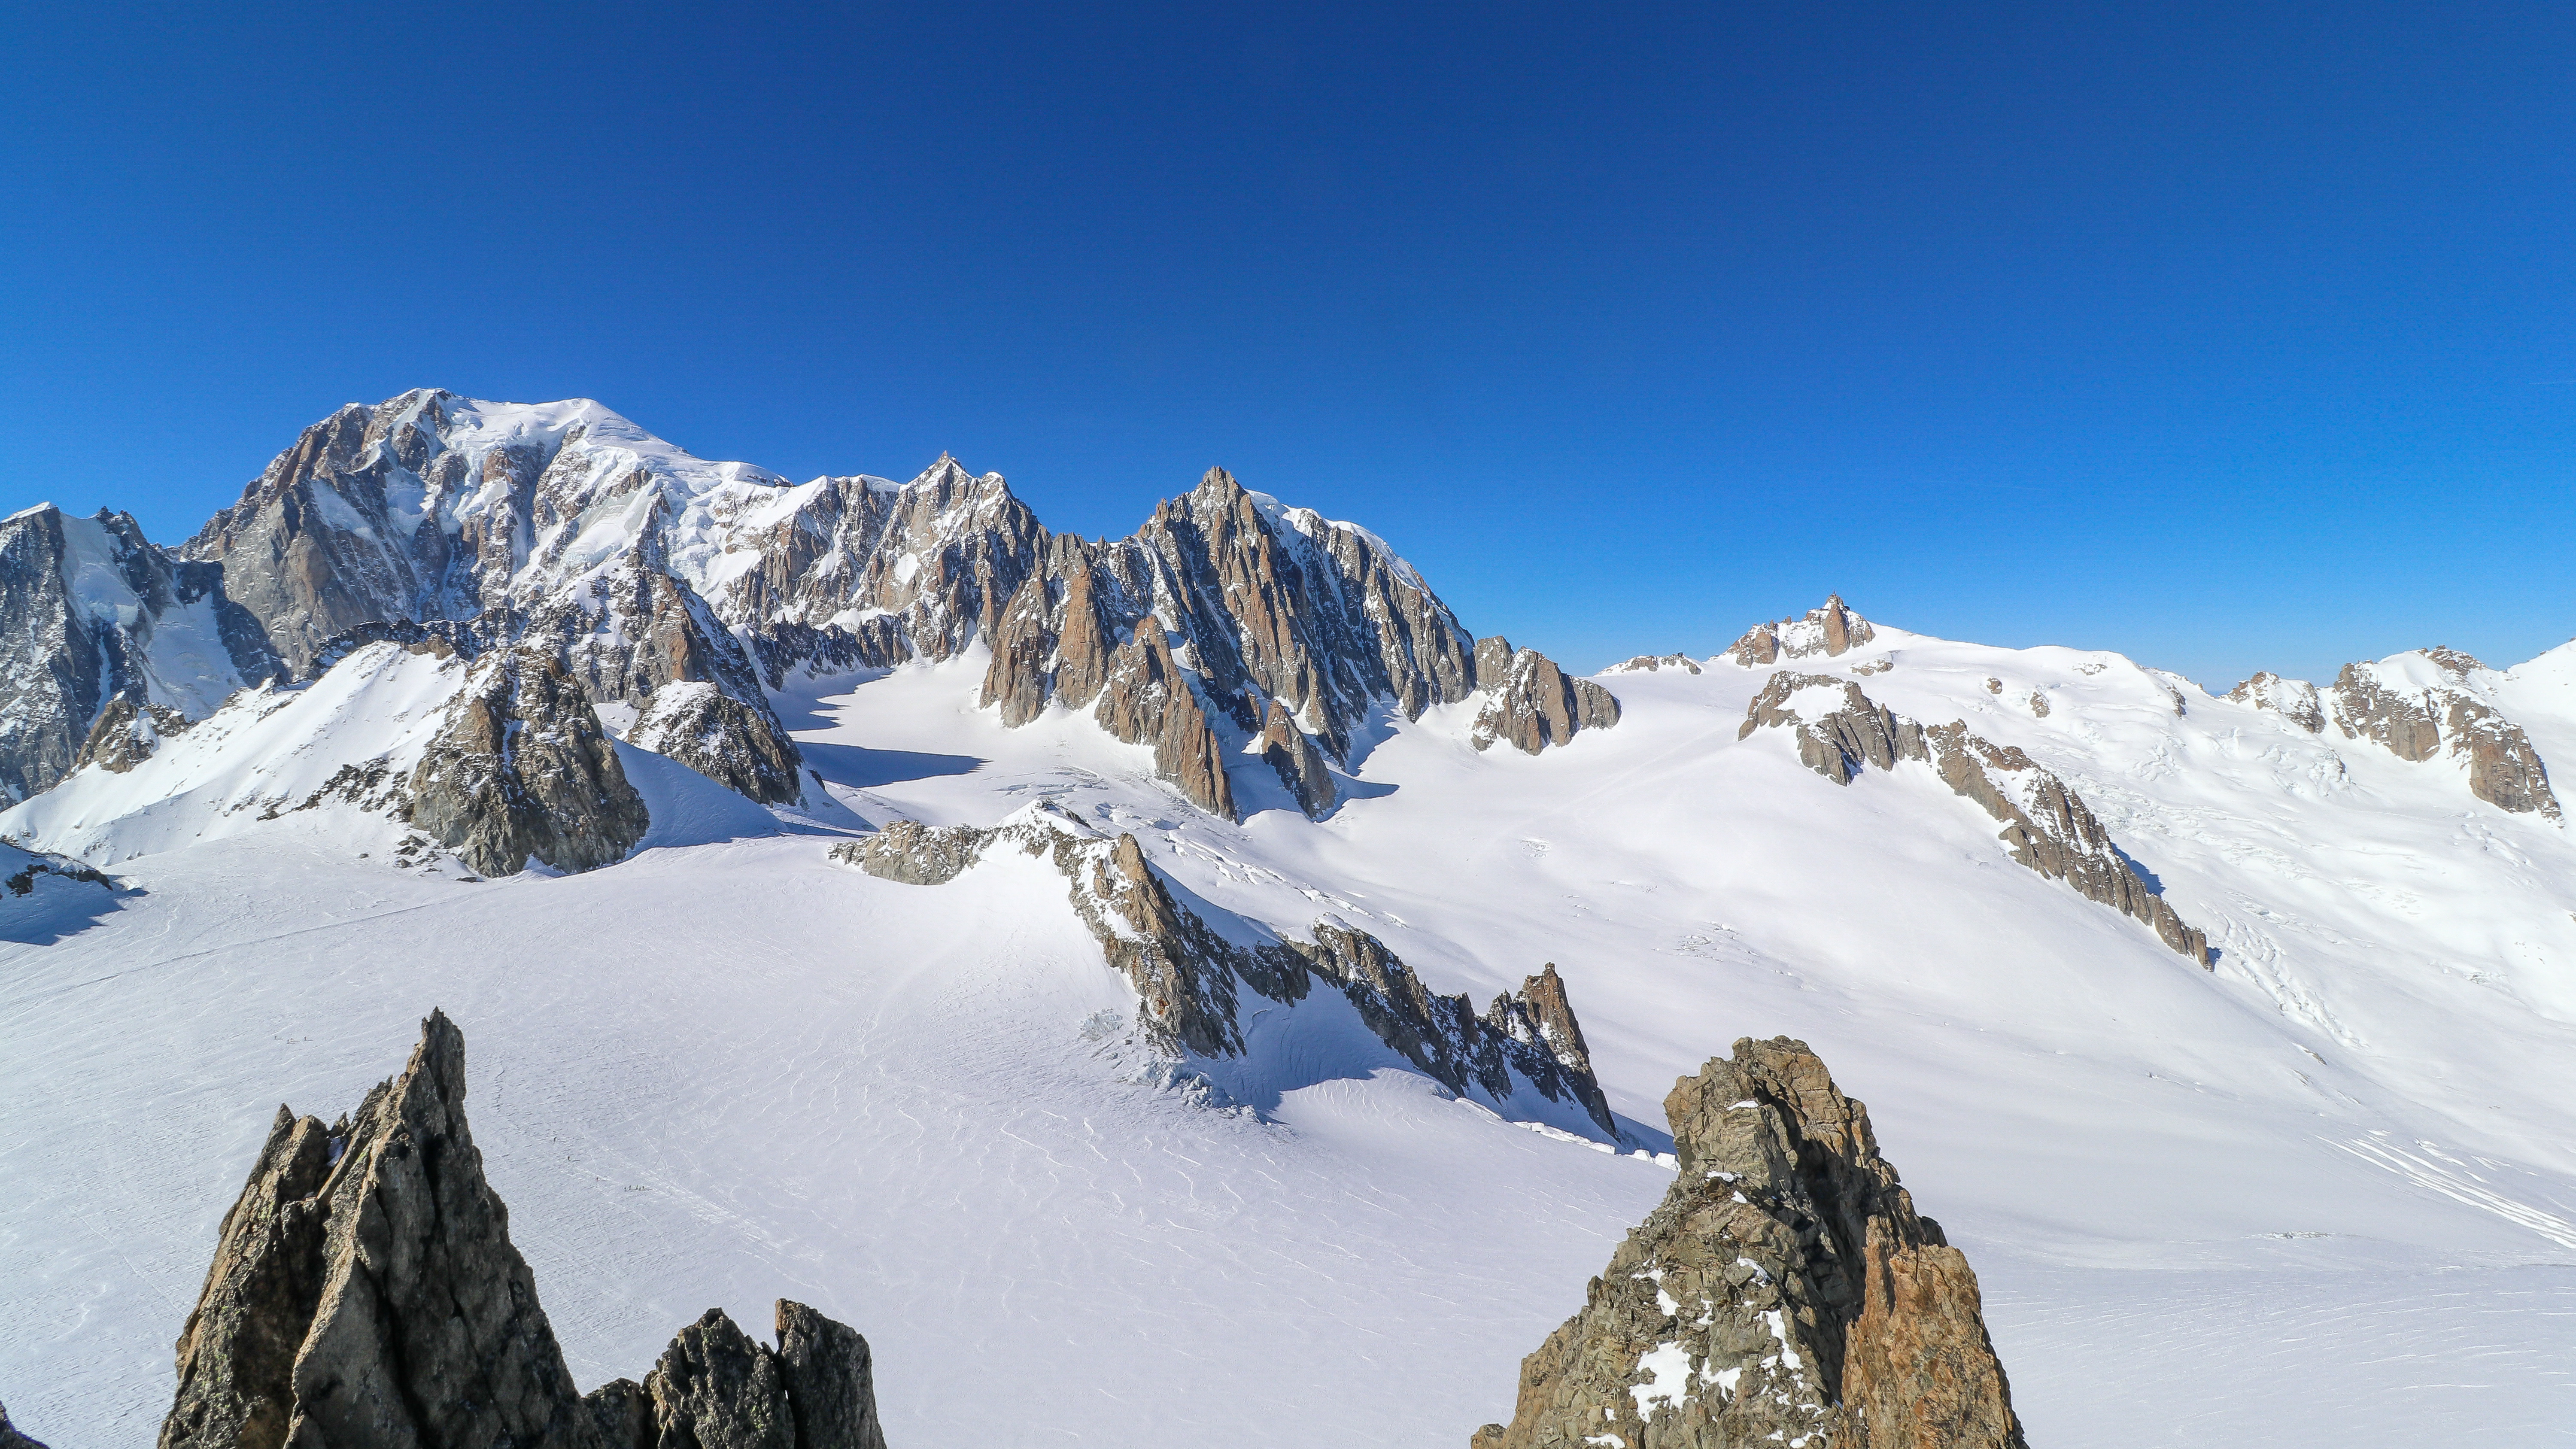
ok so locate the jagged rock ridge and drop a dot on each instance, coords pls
(364, 1291)
(2046, 826)
(1190, 977)
(1784, 1292)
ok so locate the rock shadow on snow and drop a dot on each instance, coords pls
(860, 768)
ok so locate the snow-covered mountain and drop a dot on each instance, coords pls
(1122, 977)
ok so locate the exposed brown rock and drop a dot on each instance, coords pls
(2504, 769)
(1530, 703)
(365, 1292)
(1785, 1291)
(2047, 826)
(521, 770)
(1147, 699)
(2366, 708)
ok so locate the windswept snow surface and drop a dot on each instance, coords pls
(2322, 1195)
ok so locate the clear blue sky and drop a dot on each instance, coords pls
(2230, 336)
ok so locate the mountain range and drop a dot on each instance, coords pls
(1127, 976)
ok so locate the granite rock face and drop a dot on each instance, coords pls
(93, 618)
(1784, 1292)
(1530, 703)
(365, 1292)
(521, 770)
(1840, 732)
(1192, 979)
(1830, 631)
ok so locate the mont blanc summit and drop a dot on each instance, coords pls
(1191, 987)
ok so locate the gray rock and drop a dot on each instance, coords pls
(2403, 723)
(740, 746)
(365, 1292)
(520, 769)
(1785, 1291)
(1650, 663)
(1149, 699)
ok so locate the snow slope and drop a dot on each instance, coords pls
(2324, 1194)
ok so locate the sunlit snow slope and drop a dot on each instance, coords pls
(2322, 1194)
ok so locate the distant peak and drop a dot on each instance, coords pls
(1829, 630)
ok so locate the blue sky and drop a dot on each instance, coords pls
(2228, 336)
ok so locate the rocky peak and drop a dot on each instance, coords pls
(1530, 703)
(365, 1291)
(1831, 630)
(1785, 1291)
(520, 770)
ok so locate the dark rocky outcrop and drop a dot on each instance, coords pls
(1530, 703)
(1784, 1292)
(127, 732)
(2403, 722)
(718, 1388)
(21, 870)
(1190, 977)
(10, 1435)
(365, 1292)
(520, 769)
(2046, 826)
(1831, 631)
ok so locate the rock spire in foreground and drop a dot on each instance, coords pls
(1785, 1292)
(365, 1293)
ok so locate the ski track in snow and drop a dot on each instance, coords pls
(2324, 1195)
